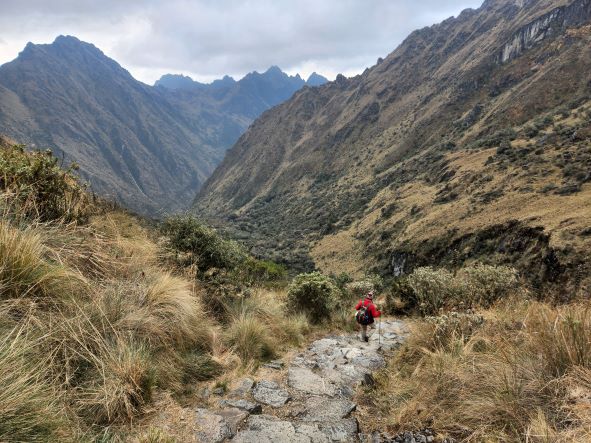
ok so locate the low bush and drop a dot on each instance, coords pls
(33, 184)
(360, 288)
(430, 290)
(313, 294)
(206, 248)
(482, 285)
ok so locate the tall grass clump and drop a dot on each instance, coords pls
(25, 270)
(251, 339)
(313, 294)
(519, 372)
(32, 409)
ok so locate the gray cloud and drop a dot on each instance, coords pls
(209, 38)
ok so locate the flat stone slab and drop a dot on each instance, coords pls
(244, 387)
(304, 380)
(269, 429)
(323, 409)
(270, 393)
(340, 431)
(243, 405)
(217, 426)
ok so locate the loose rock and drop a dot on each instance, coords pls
(244, 405)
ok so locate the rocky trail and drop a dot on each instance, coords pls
(306, 399)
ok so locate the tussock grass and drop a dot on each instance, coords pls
(520, 375)
(250, 338)
(261, 326)
(31, 407)
(25, 270)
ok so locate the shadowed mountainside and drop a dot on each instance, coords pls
(148, 147)
(470, 140)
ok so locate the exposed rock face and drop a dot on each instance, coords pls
(546, 26)
(433, 143)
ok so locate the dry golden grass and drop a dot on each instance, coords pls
(31, 407)
(26, 272)
(521, 376)
(261, 328)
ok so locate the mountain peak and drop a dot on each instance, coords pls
(316, 79)
(274, 69)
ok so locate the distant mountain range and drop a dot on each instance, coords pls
(471, 141)
(149, 147)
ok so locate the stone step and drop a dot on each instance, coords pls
(270, 393)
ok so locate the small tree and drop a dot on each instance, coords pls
(209, 250)
(313, 294)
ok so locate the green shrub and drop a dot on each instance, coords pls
(342, 280)
(35, 186)
(482, 285)
(313, 294)
(206, 247)
(432, 289)
(261, 271)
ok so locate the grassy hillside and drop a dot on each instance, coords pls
(481, 368)
(101, 314)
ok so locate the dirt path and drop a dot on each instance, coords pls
(307, 399)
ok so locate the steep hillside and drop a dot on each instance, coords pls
(149, 148)
(470, 140)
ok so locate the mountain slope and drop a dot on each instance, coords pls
(429, 152)
(148, 147)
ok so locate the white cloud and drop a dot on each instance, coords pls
(207, 38)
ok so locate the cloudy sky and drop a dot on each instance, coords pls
(209, 38)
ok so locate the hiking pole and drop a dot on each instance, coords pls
(380, 331)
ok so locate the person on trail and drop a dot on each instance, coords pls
(366, 313)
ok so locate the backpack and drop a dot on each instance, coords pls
(363, 315)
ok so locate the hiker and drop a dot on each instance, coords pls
(366, 312)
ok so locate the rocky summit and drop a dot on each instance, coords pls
(471, 141)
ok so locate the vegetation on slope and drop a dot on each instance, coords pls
(485, 368)
(442, 153)
(100, 314)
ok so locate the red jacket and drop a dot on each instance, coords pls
(370, 307)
